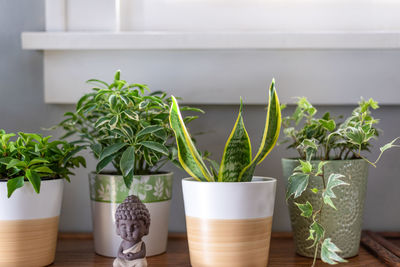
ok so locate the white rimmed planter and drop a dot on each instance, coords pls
(108, 191)
(29, 224)
(229, 224)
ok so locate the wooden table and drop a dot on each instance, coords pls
(77, 250)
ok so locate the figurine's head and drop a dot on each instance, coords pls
(132, 219)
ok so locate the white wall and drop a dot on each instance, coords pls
(22, 109)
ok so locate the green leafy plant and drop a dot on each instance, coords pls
(32, 158)
(124, 126)
(326, 139)
(237, 164)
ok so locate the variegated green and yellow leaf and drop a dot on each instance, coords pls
(188, 155)
(270, 136)
(237, 152)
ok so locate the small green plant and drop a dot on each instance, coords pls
(326, 139)
(32, 157)
(237, 164)
(124, 126)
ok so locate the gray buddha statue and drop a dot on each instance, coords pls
(132, 220)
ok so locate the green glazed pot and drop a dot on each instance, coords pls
(342, 225)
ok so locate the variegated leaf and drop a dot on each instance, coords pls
(188, 156)
(270, 136)
(237, 153)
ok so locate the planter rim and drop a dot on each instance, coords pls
(317, 160)
(258, 180)
(140, 175)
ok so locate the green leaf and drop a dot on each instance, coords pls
(104, 162)
(131, 115)
(306, 209)
(98, 81)
(113, 101)
(16, 163)
(305, 166)
(14, 184)
(155, 146)
(270, 135)
(298, 182)
(237, 152)
(333, 181)
(117, 75)
(34, 179)
(36, 161)
(143, 104)
(70, 154)
(96, 148)
(389, 145)
(317, 232)
(192, 109)
(113, 122)
(188, 155)
(149, 130)
(110, 150)
(42, 169)
(188, 119)
(330, 125)
(315, 190)
(101, 122)
(328, 252)
(128, 179)
(127, 162)
(321, 167)
(356, 135)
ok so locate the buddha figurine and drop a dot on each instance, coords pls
(132, 220)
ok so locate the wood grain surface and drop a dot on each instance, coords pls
(379, 250)
(28, 242)
(77, 250)
(229, 243)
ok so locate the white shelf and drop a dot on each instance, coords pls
(152, 40)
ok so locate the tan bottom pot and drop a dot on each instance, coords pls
(29, 224)
(343, 225)
(229, 224)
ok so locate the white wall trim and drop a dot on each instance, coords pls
(208, 40)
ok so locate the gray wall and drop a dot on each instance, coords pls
(22, 109)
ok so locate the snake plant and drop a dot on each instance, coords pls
(237, 164)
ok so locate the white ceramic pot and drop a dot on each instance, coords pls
(108, 191)
(29, 224)
(229, 224)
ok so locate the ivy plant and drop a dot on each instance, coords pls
(32, 158)
(126, 125)
(327, 138)
(237, 164)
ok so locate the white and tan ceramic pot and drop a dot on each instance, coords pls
(229, 224)
(29, 224)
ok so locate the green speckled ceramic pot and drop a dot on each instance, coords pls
(342, 225)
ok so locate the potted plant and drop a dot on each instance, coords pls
(228, 210)
(327, 182)
(128, 129)
(28, 220)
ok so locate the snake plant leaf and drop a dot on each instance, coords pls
(188, 155)
(237, 152)
(270, 136)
